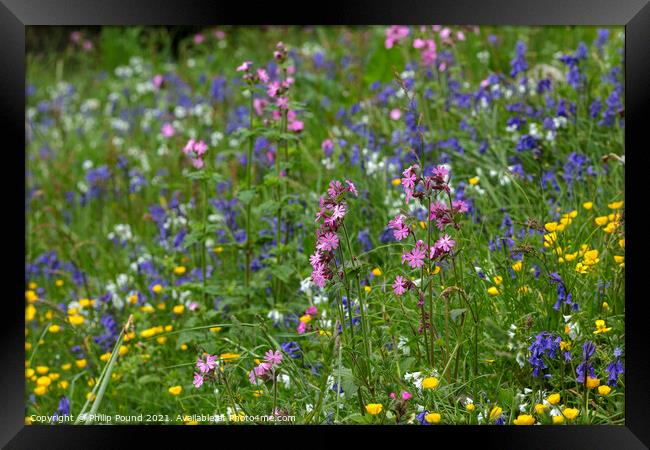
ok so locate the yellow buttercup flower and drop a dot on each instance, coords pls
(43, 381)
(396, 181)
(473, 181)
(63, 384)
(42, 370)
(31, 296)
(76, 319)
(498, 279)
(557, 420)
(54, 329)
(601, 220)
(376, 272)
(157, 289)
(433, 417)
(105, 357)
(218, 250)
(621, 243)
(470, 407)
(493, 291)
(517, 266)
(175, 390)
(587, 205)
(553, 399)
(40, 390)
(604, 389)
(619, 259)
(524, 419)
(179, 270)
(305, 318)
(81, 363)
(550, 226)
(615, 205)
(367, 289)
(229, 356)
(178, 309)
(495, 413)
(30, 313)
(600, 327)
(215, 329)
(523, 290)
(66, 366)
(123, 350)
(430, 383)
(540, 408)
(570, 413)
(374, 408)
(592, 383)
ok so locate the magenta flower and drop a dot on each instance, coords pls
(302, 326)
(272, 357)
(197, 163)
(328, 241)
(352, 188)
(401, 233)
(406, 395)
(207, 365)
(245, 66)
(415, 258)
(272, 89)
(399, 286)
(312, 311)
(282, 102)
(445, 243)
(198, 380)
(408, 181)
(168, 130)
(264, 77)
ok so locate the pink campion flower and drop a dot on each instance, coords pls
(167, 130)
(193, 306)
(251, 377)
(328, 241)
(418, 43)
(259, 104)
(352, 188)
(318, 276)
(409, 178)
(198, 163)
(302, 326)
(312, 310)
(459, 206)
(198, 38)
(394, 34)
(296, 126)
(439, 173)
(338, 212)
(272, 357)
(263, 368)
(157, 81)
(198, 380)
(399, 286)
(245, 66)
(392, 395)
(335, 188)
(409, 195)
(200, 148)
(406, 395)
(460, 36)
(396, 222)
(219, 34)
(401, 233)
(437, 210)
(315, 259)
(207, 365)
(87, 46)
(189, 147)
(282, 103)
(414, 258)
(272, 88)
(445, 243)
(445, 33)
(442, 67)
(264, 77)
(395, 114)
(291, 70)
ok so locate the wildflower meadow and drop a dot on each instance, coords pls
(325, 225)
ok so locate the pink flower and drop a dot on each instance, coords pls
(87, 46)
(258, 105)
(75, 37)
(328, 241)
(439, 173)
(408, 181)
(415, 258)
(401, 233)
(338, 212)
(418, 43)
(352, 188)
(395, 114)
(315, 259)
(262, 368)
(189, 147)
(272, 89)
(296, 126)
(399, 286)
(327, 147)
(445, 243)
(193, 306)
(392, 395)
(312, 311)
(302, 326)
(198, 38)
(198, 380)
(167, 130)
(207, 365)
(264, 77)
(198, 163)
(244, 66)
(157, 81)
(394, 34)
(406, 395)
(282, 102)
(272, 357)
(200, 148)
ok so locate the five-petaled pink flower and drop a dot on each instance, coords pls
(272, 357)
(198, 380)
(399, 286)
(414, 258)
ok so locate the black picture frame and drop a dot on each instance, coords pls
(15, 15)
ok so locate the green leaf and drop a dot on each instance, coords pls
(246, 196)
(282, 272)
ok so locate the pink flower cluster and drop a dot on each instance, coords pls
(77, 38)
(331, 213)
(405, 395)
(427, 49)
(443, 215)
(310, 313)
(394, 34)
(416, 256)
(265, 370)
(205, 367)
(196, 150)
